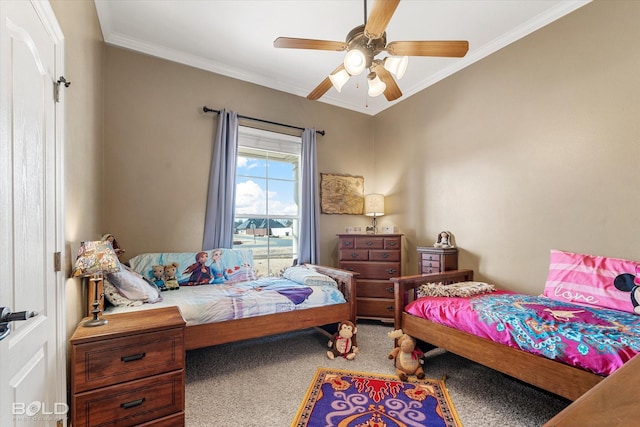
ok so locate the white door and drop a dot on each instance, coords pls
(32, 355)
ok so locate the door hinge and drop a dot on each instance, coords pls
(56, 87)
(57, 261)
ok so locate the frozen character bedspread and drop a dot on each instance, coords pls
(227, 301)
(595, 339)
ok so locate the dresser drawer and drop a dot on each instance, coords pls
(347, 242)
(175, 420)
(430, 257)
(373, 270)
(392, 243)
(131, 403)
(366, 242)
(384, 255)
(102, 363)
(376, 307)
(375, 288)
(354, 255)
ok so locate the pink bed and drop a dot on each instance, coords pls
(597, 340)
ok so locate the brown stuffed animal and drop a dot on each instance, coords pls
(407, 356)
(343, 342)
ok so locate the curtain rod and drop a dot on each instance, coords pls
(211, 110)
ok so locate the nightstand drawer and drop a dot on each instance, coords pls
(375, 288)
(431, 264)
(132, 403)
(354, 255)
(102, 363)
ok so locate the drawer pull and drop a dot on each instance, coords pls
(393, 243)
(133, 357)
(354, 255)
(390, 308)
(347, 243)
(390, 289)
(391, 270)
(369, 243)
(132, 404)
(385, 255)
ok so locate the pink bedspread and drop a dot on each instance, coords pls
(594, 339)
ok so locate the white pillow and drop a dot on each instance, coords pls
(308, 277)
(112, 295)
(133, 286)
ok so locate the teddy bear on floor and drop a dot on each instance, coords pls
(343, 342)
(170, 280)
(157, 273)
(407, 356)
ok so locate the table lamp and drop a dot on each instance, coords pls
(94, 260)
(374, 206)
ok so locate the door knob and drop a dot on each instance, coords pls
(7, 316)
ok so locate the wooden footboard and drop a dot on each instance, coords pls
(556, 377)
(198, 336)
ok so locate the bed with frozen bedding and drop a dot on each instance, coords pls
(222, 300)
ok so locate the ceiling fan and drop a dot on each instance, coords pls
(366, 41)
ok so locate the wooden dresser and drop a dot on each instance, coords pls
(129, 371)
(436, 260)
(377, 257)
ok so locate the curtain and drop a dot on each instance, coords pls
(309, 249)
(218, 222)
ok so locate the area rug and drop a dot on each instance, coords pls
(343, 398)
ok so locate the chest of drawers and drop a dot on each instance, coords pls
(437, 260)
(129, 371)
(377, 258)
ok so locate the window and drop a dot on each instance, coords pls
(267, 205)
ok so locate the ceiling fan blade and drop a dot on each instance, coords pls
(456, 48)
(294, 43)
(379, 18)
(392, 92)
(324, 86)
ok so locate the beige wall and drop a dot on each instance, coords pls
(84, 63)
(158, 148)
(533, 148)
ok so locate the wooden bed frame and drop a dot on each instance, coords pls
(198, 336)
(556, 377)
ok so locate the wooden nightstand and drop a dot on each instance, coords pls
(129, 371)
(377, 257)
(436, 260)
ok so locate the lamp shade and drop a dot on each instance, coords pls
(376, 86)
(95, 257)
(339, 79)
(355, 62)
(396, 65)
(374, 205)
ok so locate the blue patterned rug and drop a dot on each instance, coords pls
(357, 399)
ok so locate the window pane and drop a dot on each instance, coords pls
(251, 166)
(251, 196)
(271, 243)
(281, 198)
(282, 169)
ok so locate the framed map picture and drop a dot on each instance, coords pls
(341, 194)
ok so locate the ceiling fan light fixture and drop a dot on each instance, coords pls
(396, 65)
(376, 86)
(339, 79)
(355, 62)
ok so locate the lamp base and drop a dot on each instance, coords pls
(95, 322)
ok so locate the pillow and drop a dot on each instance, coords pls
(589, 280)
(459, 289)
(116, 298)
(233, 265)
(308, 277)
(133, 286)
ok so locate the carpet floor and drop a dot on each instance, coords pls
(261, 382)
